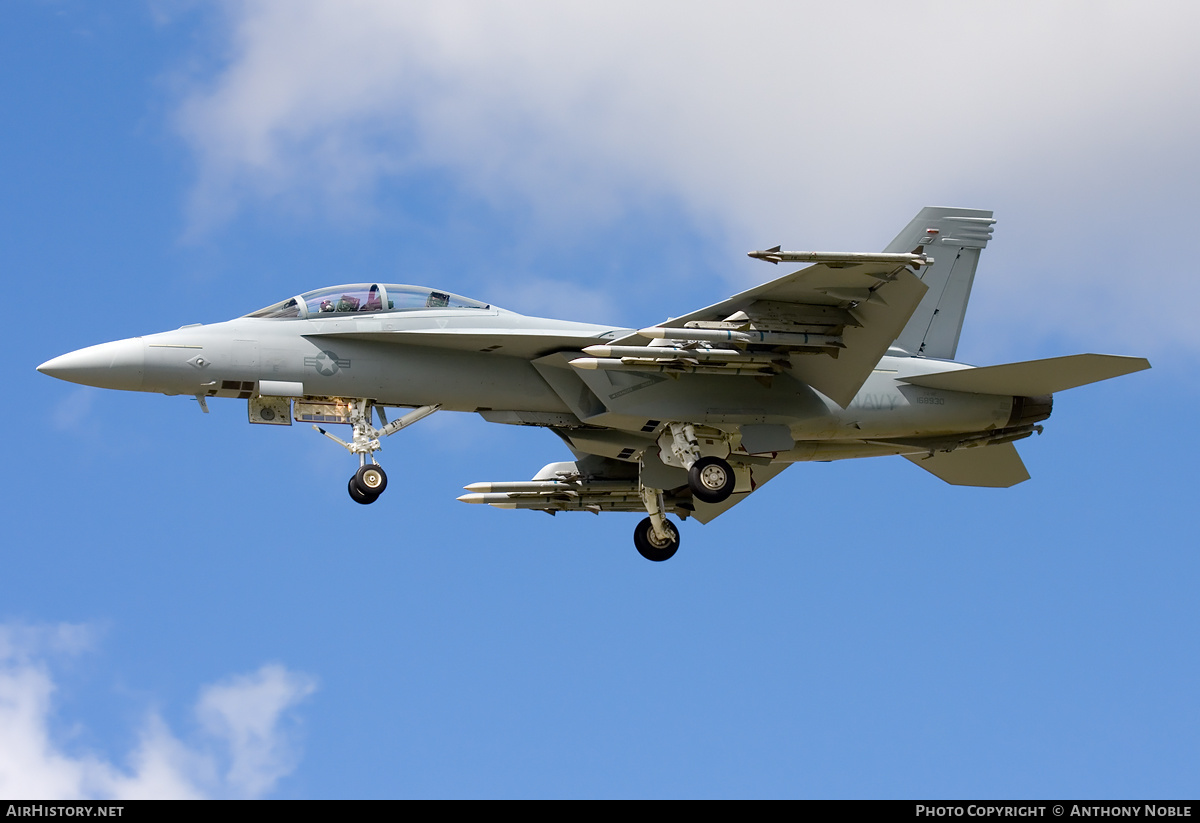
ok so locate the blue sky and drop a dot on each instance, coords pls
(193, 606)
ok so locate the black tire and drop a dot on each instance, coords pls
(651, 549)
(711, 480)
(358, 495)
(371, 479)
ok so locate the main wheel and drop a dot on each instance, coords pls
(650, 547)
(371, 479)
(711, 479)
(358, 494)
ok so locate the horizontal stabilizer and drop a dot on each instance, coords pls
(996, 467)
(1032, 377)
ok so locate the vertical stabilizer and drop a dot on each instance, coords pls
(953, 238)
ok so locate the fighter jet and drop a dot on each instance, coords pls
(850, 356)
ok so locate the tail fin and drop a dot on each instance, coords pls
(953, 238)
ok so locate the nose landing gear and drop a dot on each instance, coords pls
(370, 480)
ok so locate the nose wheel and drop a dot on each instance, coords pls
(358, 495)
(371, 479)
(367, 484)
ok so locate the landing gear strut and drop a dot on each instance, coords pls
(370, 480)
(656, 537)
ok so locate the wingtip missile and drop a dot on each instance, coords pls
(775, 255)
(770, 255)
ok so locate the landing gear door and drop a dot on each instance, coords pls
(743, 481)
(272, 411)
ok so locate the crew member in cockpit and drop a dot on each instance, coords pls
(374, 301)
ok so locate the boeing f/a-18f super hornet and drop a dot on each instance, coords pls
(852, 356)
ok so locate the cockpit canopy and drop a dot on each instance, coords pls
(361, 298)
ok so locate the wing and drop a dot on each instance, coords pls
(830, 322)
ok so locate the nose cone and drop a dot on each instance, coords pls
(118, 365)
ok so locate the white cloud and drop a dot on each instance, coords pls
(243, 750)
(698, 99)
(246, 712)
(807, 123)
(19, 640)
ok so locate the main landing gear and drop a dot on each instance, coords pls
(653, 547)
(370, 480)
(656, 538)
(710, 478)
